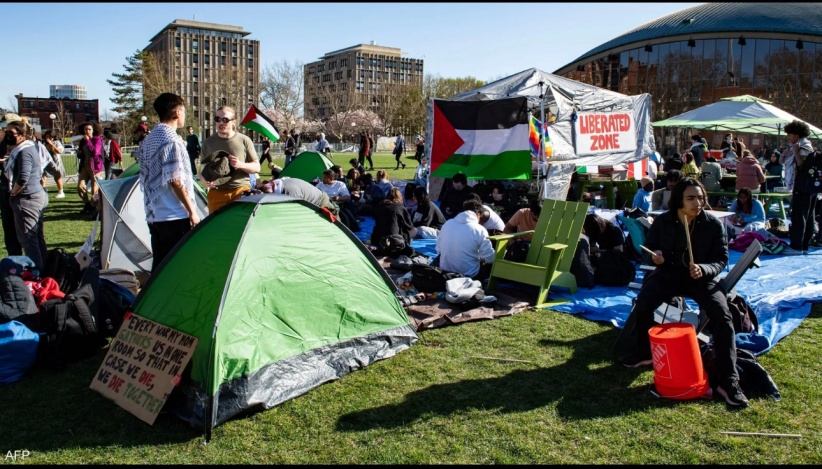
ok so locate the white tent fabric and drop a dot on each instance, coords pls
(739, 114)
(565, 99)
(126, 241)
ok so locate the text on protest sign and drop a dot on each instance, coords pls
(605, 132)
(142, 366)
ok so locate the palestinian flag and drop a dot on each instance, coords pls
(260, 123)
(482, 139)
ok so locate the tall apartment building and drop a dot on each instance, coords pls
(68, 91)
(365, 72)
(210, 65)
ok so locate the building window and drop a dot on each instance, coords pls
(250, 63)
(349, 73)
(195, 101)
(250, 49)
(343, 62)
(207, 59)
(195, 72)
(177, 42)
(223, 46)
(234, 61)
(222, 60)
(195, 58)
(360, 85)
(77, 106)
(207, 45)
(338, 75)
(195, 44)
(233, 48)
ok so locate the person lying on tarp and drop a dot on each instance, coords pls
(676, 274)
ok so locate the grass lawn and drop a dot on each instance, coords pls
(436, 403)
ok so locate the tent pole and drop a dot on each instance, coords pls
(541, 136)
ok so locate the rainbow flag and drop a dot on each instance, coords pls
(539, 131)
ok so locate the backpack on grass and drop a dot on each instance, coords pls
(430, 279)
(63, 268)
(68, 329)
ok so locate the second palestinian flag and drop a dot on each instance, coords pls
(260, 123)
(482, 139)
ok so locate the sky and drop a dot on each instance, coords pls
(84, 43)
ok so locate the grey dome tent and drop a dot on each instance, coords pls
(126, 241)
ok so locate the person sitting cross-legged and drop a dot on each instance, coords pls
(463, 245)
(428, 219)
(677, 274)
(749, 214)
(391, 218)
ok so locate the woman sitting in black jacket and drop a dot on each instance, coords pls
(428, 218)
(391, 218)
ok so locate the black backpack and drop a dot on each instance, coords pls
(517, 250)
(63, 268)
(68, 330)
(808, 177)
(613, 269)
(394, 246)
(113, 302)
(430, 279)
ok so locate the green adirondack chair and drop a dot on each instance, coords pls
(549, 258)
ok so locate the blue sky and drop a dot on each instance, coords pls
(83, 44)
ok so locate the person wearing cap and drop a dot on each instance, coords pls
(642, 199)
(166, 178)
(242, 159)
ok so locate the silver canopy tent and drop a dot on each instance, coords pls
(566, 99)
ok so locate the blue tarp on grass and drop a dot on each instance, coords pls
(781, 292)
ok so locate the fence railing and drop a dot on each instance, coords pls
(72, 167)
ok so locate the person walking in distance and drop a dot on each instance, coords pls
(56, 169)
(193, 148)
(365, 150)
(399, 148)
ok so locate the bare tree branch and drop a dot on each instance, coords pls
(281, 88)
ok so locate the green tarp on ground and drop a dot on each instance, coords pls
(281, 300)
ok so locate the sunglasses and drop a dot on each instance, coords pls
(224, 120)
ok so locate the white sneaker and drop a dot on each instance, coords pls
(60, 195)
(790, 252)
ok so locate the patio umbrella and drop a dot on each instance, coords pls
(740, 113)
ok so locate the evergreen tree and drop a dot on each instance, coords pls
(128, 92)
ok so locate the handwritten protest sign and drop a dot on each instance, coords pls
(143, 365)
(605, 132)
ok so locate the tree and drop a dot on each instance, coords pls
(435, 86)
(281, 88)
(13, 103)
(127, 87)
(64, 122)
(342, 107)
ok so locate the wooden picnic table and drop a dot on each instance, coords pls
(767, 198)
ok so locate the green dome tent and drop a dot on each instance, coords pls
(307, 166)
(272, 323)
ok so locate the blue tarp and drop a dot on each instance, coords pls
(781, 292)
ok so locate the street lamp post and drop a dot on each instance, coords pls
(353, 132)
(53, 117)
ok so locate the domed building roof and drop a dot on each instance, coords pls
(797, 19)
